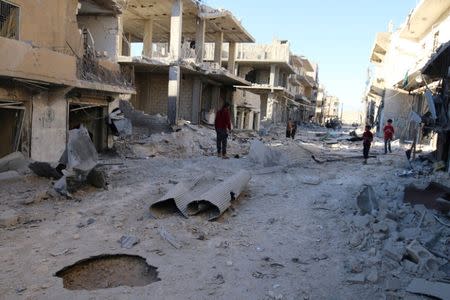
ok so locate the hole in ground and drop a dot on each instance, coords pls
(108, 271)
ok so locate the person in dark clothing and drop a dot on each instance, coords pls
(367, 141)
(388, 136)
(291, 128)
(222, 124)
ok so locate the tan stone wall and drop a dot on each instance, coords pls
(152, 94)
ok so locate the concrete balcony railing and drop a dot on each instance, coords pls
(270, 53)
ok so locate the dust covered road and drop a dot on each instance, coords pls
(295, 232)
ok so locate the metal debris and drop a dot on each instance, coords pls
(128, 241)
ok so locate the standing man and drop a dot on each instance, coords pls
(222, 124)
(291, 127)
(388, 136)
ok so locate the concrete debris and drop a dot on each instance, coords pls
(141, 122)
(393, 284)
(265, 156)
(168, 237)
(421, 256)
(9, 175)
(128, 241)
(45, 169)
(204, 194)
(357, 278)
(80, 157)
(119, 124)
(9, 218)
(421, 286)
(15, 161)
(429, 196)
(367, 201)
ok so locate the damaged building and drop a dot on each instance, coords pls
(58, 71)
(171, 76)
(398, 87)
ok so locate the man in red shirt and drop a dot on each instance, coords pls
(367, 141)
(388, 136)
(222, 124)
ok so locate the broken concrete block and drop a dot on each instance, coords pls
(9, 175)
(422, 257)
(44, 169)
(367, 201)
(311, 180)
(394, 250)
(97, 178)
(15, 161)
(9, 218)
(411, 233)
(265, 156)
(356, 239)
(380, 227)
(393, 284)
(372, 276)
(410, 267)
(362, 221)
(358, 278)
(421, 286)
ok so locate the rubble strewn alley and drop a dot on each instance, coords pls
(112, 187)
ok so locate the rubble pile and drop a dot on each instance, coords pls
(397, 242)
(190, 141)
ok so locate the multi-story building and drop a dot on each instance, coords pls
(58, 69)
(303, 84)
(397, 86)
(171, 76)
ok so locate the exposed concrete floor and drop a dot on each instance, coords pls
(282, 240)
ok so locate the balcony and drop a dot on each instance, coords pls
(21, 60)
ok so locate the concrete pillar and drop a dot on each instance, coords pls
(218, 43)
(196, 100)
(232, 57)
(50, 125)
(176, 25)
(175, 54)
(272, 75)
(234, 116)
(250, 120)
(148, 38)
(241, 121)
(200, 40)
(216, 97)
(257, 118)
(119, 37)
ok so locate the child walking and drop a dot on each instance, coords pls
(388, 136)
(367, 141)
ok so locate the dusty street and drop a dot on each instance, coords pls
(295, 232)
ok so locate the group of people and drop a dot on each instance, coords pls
(222, 125)
(388, 131)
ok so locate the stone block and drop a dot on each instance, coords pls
(9, 218)
(394, 250)
(422, 257)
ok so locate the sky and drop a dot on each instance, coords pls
(336, 34)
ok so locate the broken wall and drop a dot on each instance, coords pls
(57, 24)
(398, 106)
(152, 94)
(49, 130)
(104, 30)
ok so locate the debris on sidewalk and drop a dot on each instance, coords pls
(265, 156)
(367, 201)
(15, 161)
(439, 290)
(128, 241)
(434, 196)
(168, 237)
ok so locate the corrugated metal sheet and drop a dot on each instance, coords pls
(220, 196)
(203, 193)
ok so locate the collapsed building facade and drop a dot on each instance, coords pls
(57, 74)
(399, 89)
(172, 77)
